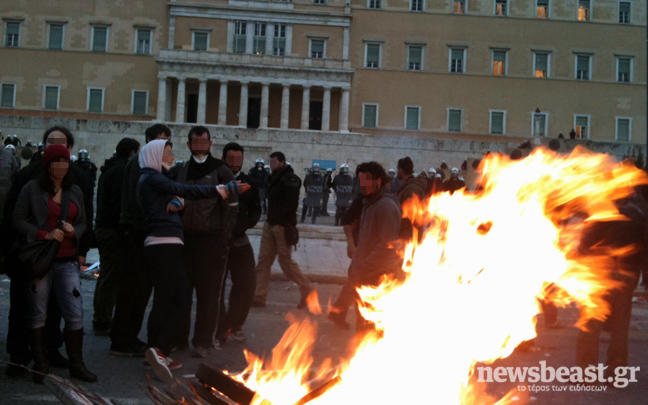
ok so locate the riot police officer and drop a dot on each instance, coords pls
(328, 184)
(314, 185)
(455, 182)
(343, 187)
(262, 178)
(89, 169)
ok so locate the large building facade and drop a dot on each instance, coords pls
(463, 69)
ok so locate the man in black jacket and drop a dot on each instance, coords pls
(134, 291)
(240, 259)
(283, 200)
(17, 335)
(208, 225)
(107, 234)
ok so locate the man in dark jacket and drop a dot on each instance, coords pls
(379, 228)
(17, 335)
(134, 291)
(283, 200)
(208, 225)
(108, 237)
(240, 259)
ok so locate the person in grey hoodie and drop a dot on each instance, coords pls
(373, 256)
(160, 199)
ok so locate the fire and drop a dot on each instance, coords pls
(472, 285)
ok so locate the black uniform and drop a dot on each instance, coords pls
(343, 186)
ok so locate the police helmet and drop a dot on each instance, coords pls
(329, 169)
(267, 167)
(454, 170)
(432, 171)
(344, 168)
(83, 155)
(391, 171)
(73, 158)
(316, 167)
(11, 148)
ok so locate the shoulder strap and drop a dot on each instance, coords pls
(65, 205)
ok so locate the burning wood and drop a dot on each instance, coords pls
(221, 382)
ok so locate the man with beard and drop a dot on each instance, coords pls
(208, 225)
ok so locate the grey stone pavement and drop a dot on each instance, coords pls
(321, 254)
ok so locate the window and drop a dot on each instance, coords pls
(457, 57)
(143, 41)
(51, 97)
(372, 55)
(240, 35)
(499, 63)
(497, 122)
(370, 115)
(584, 10)
(140, 102)
(581, 125)
(540, 121)
(412, 117)
(8, 95)
(624, 12)
(583, 67)
(543, 8)
(259, 40)
(95, 99)
(414, 57)
(55, 41)
(318, 47)
(319, 1)
(99, 41)
(460, 7)
(623, 129)
(624, 70)
(416, 5)
(12, 34)
(501, 7)
(200, 41)
(374, 4)
(279, 40)
(454, 120)
(541, 64)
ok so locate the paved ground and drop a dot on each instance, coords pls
(322, 256)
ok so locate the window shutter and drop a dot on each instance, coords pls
(412, 118)
(497, 123)
(56, 37)
(139, 103)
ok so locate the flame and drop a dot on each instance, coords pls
(471, 286)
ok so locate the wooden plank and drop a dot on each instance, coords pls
(234, 390)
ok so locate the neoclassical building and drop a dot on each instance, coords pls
(460, 69)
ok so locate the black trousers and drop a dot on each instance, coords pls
(316, 211)
(240, 266)
(339, 213)
(171, 293)
(110, 255)
(133, 292)
(324, 209)
(18, 325)
(587, 343)
(205, 261)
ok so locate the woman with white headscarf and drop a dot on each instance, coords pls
(160, 198)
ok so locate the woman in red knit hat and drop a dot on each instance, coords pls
(37, 216)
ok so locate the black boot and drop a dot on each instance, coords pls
(38, 343)
(74, 347)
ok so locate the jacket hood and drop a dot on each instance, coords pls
(150, 155)
(112, 162)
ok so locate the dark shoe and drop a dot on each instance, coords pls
(101, 329)
(302, 301)
(38, 343)
(74, 347)
(128, 350)
(339, 319)
(56, 359)
(257, 302)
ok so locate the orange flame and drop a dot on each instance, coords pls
(472, 284)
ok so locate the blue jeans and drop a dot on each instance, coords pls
(63, 278)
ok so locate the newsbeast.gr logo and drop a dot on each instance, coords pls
(575, 375)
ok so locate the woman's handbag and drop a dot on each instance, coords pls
(36, 257)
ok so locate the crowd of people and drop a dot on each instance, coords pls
(169, 230)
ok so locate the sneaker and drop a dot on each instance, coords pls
(160, 364)
(128, 350)
(172, 364)
(238, 335)
(199, 352)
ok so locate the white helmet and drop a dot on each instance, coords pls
(259, 160)
(11, 148)
(432, 170)
(454, 170)
(73, 158)
(391, 171)
(267, 167)
(344, 168)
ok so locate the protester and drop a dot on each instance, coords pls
(160, 200)
(279, 230)
(38, 218)
(135, 287)
(240, 259)
(373, 257)
(18, 325)
(109, 192)
(208, 225)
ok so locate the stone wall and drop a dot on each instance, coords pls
(300, 147)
